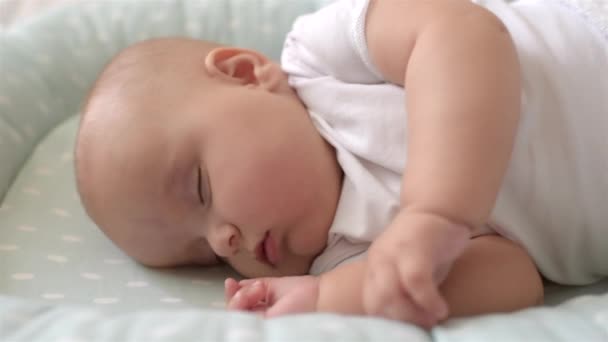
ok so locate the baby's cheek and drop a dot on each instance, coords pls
(308, 240)
(243, 197)
(267, 189)
(262, 190)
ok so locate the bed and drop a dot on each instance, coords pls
(62, 280)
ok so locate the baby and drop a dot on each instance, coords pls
(418, 159)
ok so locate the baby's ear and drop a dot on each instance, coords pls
(245, 67)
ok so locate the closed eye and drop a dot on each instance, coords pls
(199, 187)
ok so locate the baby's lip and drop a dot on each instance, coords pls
(260, 252)
(266, 250)
(272, 250)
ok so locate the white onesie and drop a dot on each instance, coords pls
(553, 199)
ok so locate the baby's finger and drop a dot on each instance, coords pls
(248, 298)
(417, 280)
(243, 299)
(408, 311)
(250, 281)
(289, 305)
(230, 288)
(396, 304)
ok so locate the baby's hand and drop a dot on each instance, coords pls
(273, 296)
(407, 263)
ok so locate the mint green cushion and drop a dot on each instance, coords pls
(61, 279)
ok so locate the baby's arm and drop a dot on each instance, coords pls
(461, 75)
(492, 275)
(462, 79)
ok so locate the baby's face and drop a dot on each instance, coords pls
(237, 174)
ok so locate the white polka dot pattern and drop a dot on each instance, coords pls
(137, 284)
(114, 261)
(23, 276)
(31, 191)
(53, 296)
(71, 238)
(25, 228)
(57, 258)
(91, 276)
(43, 171)
(8, 248)
(171, 300)
(61, 212)
(68, 259)
(106, 300)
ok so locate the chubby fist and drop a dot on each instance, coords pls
(273, 296)
(407, 263)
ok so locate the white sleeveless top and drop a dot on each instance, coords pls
(554, 194)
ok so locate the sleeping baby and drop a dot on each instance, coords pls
(414, 160)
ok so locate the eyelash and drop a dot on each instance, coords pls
(199, 190)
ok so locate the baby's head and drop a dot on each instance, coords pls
(190, 153)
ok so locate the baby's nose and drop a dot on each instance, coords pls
(225, 240)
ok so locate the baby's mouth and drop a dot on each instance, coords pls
(266, 250)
